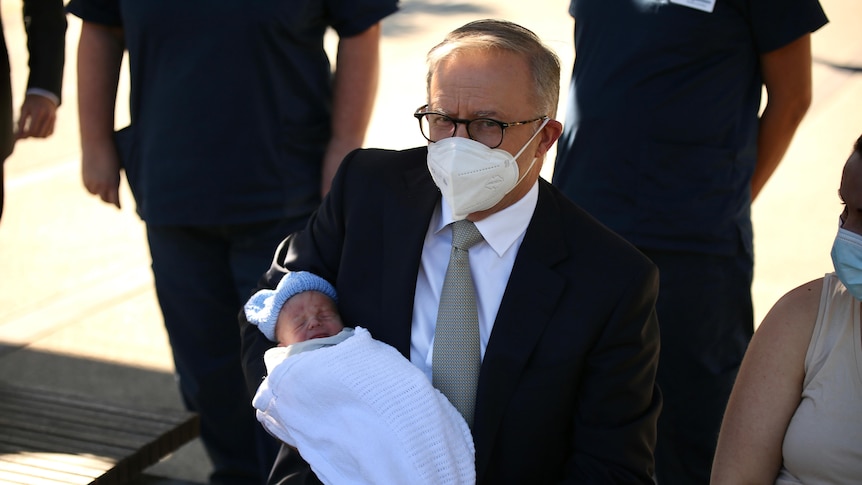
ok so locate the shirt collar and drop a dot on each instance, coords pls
(501, 229)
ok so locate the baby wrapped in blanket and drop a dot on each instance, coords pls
(355, 409)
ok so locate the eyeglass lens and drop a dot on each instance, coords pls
(436, 127)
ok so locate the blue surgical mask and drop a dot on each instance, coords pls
(847, 259)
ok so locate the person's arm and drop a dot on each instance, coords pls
(45, 24)
(357, 70)
(619, 402)
(787, 77)
(767, 391)
(100, 54)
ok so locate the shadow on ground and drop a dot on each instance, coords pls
(118, 384)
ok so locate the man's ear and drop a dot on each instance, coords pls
(550, 134)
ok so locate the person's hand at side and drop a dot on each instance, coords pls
(38, 114)
(100, 171)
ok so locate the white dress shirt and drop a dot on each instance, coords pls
(491, 264)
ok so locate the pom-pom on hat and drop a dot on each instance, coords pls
(263, 307)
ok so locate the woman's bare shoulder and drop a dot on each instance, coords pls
(796, 311)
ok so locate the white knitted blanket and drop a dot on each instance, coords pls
(360, 413)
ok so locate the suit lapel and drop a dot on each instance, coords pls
(530, 299)
(407, 215)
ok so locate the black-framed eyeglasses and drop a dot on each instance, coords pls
(436, 126)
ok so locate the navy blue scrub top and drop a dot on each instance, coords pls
(230, 102)
(662, 116)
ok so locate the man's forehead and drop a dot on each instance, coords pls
(479, 84)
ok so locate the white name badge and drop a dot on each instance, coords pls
(704, 5)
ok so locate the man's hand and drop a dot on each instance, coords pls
(38, 114)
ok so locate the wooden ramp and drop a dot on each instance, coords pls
(49, 438)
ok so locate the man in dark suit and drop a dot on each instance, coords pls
(566, 308)
(45, 23)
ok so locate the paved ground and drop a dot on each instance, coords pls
(77, 305)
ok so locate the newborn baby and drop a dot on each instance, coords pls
(355, 409)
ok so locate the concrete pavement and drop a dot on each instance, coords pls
(77, 305)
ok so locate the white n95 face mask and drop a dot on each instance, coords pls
(847, 259)
(471, 176)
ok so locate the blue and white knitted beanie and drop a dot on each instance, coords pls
(263, 307)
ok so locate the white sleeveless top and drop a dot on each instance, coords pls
(823, 442)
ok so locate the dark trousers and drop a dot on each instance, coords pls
(706, 319)
(203, 276)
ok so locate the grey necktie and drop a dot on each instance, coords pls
(456, 360)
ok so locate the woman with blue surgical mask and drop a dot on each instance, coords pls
(847, 258)
(795, 413)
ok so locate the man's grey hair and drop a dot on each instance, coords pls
(508, 36)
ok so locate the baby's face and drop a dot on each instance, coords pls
(307, 315)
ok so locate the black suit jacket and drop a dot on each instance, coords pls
(45, 23)
(566, 390)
